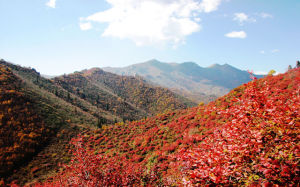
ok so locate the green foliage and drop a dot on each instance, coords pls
(101, 121)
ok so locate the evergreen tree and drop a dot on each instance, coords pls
(68, 96)
(101, 121)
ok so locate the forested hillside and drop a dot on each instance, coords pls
(106, 97)
(36, 126)
(122, 94)
(22, 130)
(248, 137)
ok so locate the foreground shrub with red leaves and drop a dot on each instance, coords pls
(87, 168)
(259, 145)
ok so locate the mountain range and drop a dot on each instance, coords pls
(189, 79)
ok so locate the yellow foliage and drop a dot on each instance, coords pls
(272, 72)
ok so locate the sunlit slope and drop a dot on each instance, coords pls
(126, 96)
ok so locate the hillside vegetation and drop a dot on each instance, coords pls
(39, 116)
(129, 97)
(22, 131)
(248, 137)
(36, 126)
(52, 100)
(106, 97)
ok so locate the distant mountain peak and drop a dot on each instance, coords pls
(153, 61)
(227, 65)
(221, 66)
(92, 71)
(214, 65)
(190, 63)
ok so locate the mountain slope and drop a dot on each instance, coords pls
(248, 137)
(128, 97)
(35, 124)
(22, 131)
(188, 78)
(104, 96)
(64, 106)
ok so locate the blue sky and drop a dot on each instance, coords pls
(62, 36)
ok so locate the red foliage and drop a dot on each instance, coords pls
(87, 168)
(258, 144)
(248, 137)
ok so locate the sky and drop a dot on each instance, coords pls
(63, 36)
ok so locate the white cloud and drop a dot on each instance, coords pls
(85, 26)
(236, 34)
(266, 15)
(271, 51)
(210, 5)
(197, 19)
(51, 3)
(242, 17)
(148, 22)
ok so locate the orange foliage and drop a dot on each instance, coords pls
(22, 132)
